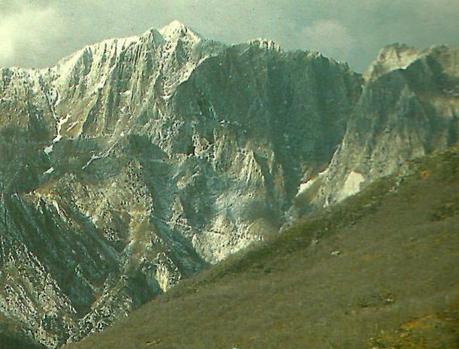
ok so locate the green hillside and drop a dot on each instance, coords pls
(380, 270)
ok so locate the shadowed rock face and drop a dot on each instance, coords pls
(409, 107)
(135, 162)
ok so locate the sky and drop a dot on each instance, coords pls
(37, 33)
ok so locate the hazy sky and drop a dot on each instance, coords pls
(39, 32)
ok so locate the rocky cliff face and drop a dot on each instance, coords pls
(409, 107)
(135, 162)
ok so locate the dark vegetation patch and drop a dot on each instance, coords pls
(11, 338)
(447, 209)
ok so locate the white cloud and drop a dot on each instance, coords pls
(29, 28)
(328, 36)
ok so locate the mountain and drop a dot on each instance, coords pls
(378, 270)
(134, 163)
(409, 107)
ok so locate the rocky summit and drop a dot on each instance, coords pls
(408, 108)
(136, 162)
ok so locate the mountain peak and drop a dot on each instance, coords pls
(392, 57)
(266, 44)
(176, 30)
(400, 54)
(174, 25)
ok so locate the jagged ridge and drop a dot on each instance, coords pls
(135, 162)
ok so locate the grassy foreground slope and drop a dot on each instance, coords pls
(380, 270)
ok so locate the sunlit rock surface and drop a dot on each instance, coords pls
(133, 163)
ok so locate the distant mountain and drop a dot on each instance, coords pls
(134, 163)
(409, 107)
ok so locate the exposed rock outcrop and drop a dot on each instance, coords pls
(135, 162)
(409, 107)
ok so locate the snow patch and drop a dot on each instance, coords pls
(99, 156)
(72, 125)
(49, 171)
(175, 30)
(49, 149)
(60, 123)
(305, 186)
(351, 185)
